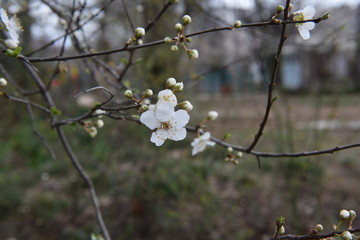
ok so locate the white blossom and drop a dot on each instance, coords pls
(200, 143)
(12, 25)
(304, 28)
(168, 125)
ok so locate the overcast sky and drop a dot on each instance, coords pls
(324, 3)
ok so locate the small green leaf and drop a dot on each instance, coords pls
(55, 111)
(226, 136)
(139, 60)
(124, 61)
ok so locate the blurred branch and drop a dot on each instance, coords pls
(150, 44)
(37, 133)
(271, 86)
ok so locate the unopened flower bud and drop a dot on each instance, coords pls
(186, 19)
(144, 107)
(346, 235)
(128, 93)
(325, 16)
(170, 83)
(174, 1)
(92, 131)
(188, 39)
(99, 111)
(3, 82)
(167, 40)
(237, 24)
(212, 115)
(11, 43)
(352, 214)
(229, 149)
(279, 9)
(178, 87)
(178, 27)
(186, 105)
(239, 154)
(282, 230)
(139, 32)
(291, 7)
(193, 54)
(140, 42)
(174, 48)
(319, 228)
(344, 214)
(148, 93)
(99, 123)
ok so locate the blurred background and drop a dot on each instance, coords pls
(147, 192)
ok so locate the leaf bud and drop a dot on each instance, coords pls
(325, 16)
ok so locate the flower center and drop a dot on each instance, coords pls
(165, 125)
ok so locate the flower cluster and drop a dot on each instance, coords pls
(11, 27)
(181, 39)
(91, 127)
(162, 117)
(302, 15)
(203, 140)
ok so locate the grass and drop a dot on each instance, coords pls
(148, 192)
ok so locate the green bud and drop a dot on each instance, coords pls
(229, 149)
(193, 54)
(346, 235)
(174, 1)
(186, 105)
(279, 9)
(178, 27)
(319, 228)
(325, 16)
(3, 82)
(282, 230)
(168, 40)
(188, 39)
(139, 32)
(174, 48)
(144, 107)
(178, 87)
(352, 214)
(148, 93)
(128, 94)
(170, 83)
(186, 19)
(344, 214)
(237, 24)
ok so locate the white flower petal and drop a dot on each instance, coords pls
(309, 25)
(309, 12)
(195, 142)
(210, 143)
(304, 32)
(164, 111)
(167, 96)
(181, 119)
(149, 119)
(157, 138)
(178, 134)
(205, 136)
